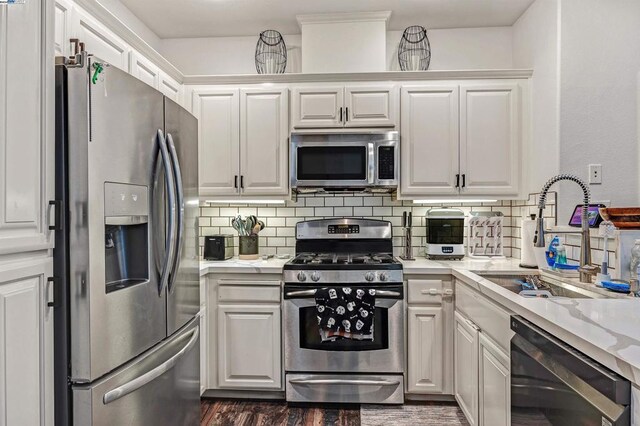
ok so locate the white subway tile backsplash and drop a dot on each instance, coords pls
(279, 234)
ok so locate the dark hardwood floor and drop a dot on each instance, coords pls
(222, 412)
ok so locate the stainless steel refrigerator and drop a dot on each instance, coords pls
(126, 320)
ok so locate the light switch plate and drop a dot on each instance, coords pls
(595, 174)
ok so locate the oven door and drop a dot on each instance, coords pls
(325, 164)
(305, 352)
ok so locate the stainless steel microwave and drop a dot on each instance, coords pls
(348, 161)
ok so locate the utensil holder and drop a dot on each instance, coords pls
(248, 248)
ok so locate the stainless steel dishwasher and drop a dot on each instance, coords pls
(554, 384)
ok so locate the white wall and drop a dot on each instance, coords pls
(536, 45)
(343, 46)
(461, 48)
(223, 55)
(600, 61)
(464, 48)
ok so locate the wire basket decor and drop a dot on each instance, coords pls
(271, 53)
(414, 51)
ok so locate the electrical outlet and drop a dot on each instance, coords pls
(595, 174)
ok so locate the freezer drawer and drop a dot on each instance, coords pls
(161, 387)
(345, 388)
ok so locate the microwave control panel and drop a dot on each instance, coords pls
(386, 163)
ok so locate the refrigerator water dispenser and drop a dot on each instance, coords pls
(126, 244)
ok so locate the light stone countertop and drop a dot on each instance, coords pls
(607, 330)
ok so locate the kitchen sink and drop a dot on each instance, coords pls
(546, 289)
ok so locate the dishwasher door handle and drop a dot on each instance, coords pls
(344, 382)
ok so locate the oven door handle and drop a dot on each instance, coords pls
(592, 396)
(301, 293)
(344, 382)
(307, 293)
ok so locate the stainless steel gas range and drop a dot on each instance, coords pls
(354, 253)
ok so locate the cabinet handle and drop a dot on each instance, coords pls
(57, 211)
(235, 181)
(241, 181)
(340, 114)
(435, 292)
(458, 181)
(346, 114)
(472, 325)
(464, 180)
(52, 281)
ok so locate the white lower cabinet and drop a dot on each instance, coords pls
(425, 343)
(430, 336)
(482, 361)
(465, 361)
(26, 345)
(494, 384)
(249, 347)
(244, 329)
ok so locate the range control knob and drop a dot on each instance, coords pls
(302, 276)
(315, 276)
(382, 276)
(369, 276)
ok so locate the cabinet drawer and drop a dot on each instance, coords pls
(491, 318)
(428, 291)
(248, 293)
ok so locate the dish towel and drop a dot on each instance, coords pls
(345, 312)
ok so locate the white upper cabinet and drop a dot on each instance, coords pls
(462, 139)
(170, 87)
(323, 106)
(371, 106)
(63, 10)
(143, 69)
(243, 141)
(490, 138)
(430, 140)
(218, 113)
(317, 106)
(264, 159)
(101, 42)
(26, 129)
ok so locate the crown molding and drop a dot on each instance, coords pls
(354, 77)
(114, 24)
(328, 18)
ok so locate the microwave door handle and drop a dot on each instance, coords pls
(371, 178)
(592, 396)
(170, 242)
(180, 211)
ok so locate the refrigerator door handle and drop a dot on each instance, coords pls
(151, 375)
(170, 243)
(180, 211)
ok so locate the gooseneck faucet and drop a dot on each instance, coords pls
(587, 271)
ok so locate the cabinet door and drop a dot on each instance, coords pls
(371, 106)
(465, 360)
(320, 106)
(494, 385)
(426, 347)
(430, 145)
(143, 69)
(171, 88)
(63, 27)
(26, 346)
(27, 134)
(101, 42)
(490, 139)
(264, 159)
(219, 142)
(249, 347)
